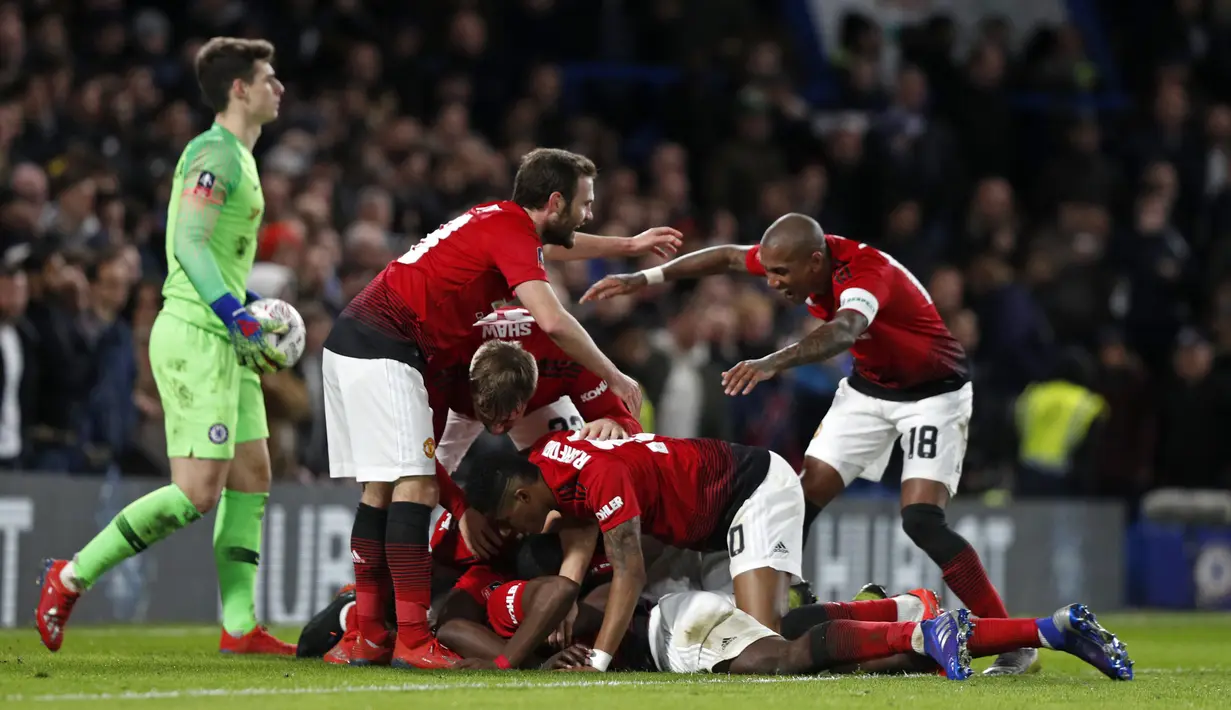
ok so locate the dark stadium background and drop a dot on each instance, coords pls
(1062, 185)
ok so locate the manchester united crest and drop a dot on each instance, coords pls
(429, 448)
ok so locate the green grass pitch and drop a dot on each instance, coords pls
(1182, 661)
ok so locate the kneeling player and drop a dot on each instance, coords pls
(698, 494)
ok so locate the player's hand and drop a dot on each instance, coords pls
(615, 285)
(476, 664)
(478, 534)
(602, 430)
(562, 637)
(575, 655)
(576, 669)
(742, 378)
(248, 340)
(663, 241)
(627, 389)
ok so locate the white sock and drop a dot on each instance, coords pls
(916, 640)
(909, 608)
(68, 578)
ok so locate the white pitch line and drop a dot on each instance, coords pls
(399, 688)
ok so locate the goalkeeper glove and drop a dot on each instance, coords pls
(248, 335)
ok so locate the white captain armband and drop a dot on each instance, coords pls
(861, 301)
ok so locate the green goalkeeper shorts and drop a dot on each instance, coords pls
(209, 400)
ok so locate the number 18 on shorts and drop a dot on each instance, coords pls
(857, 435)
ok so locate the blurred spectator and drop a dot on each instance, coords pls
(692, 403)
(1194, 417)
(1059, 424)
(112, 413)
(17, 366)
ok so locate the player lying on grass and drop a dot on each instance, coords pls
(696, 631)
(910, 382)
(700, 494)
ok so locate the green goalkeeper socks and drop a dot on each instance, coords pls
(144, 522)
(237, 545)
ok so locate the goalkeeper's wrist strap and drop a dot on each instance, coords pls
(228, 309)
(599, 659)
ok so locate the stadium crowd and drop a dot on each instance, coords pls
(1064, 240)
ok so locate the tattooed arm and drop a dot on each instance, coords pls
(834, 337)
(623, 547)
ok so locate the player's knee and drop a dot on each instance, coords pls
(203, 497)
(921, 522)
(821, 482)
(417, 489)
(925, 525)
(798, 621)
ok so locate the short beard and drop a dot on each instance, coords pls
(558, 236)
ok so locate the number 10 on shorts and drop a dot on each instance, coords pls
(921, 442)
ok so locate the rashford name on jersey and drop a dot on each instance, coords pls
(686, 491)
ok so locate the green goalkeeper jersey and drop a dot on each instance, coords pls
(212, 224)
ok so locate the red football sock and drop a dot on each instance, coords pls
(410, 565)
(870, 610)
(372, 581)
(992, 637)
(966, 577)
(846, 641)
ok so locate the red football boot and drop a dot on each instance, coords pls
(340, 653)
(430, 656)
(366, 653)
(258, 641)
(931, 603)
(55, 603)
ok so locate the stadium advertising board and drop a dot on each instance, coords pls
(1040, 555)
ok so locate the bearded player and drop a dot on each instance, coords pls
(206, 351)
(910, 381)
(700, 494)
(409, 320)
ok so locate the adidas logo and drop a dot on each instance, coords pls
(726, 642)
(780, 549)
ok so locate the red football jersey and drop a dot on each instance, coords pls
(559, 374)
(457, 274)
(906, 346)
(686, 491)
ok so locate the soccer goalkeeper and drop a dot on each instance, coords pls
(206, 351)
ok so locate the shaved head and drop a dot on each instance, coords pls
(795, 257)
(794, 235)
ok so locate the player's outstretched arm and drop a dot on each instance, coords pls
(832, 338)
(703, 262)
(540, 299)
(623, 546)
(663, 241)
